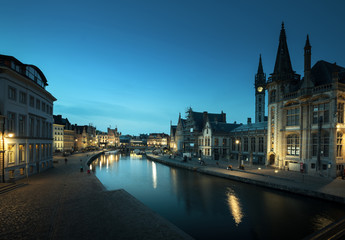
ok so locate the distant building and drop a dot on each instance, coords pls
(26, 110)
(85, 137)
(173, 145)
(188, 130)
(102, 139)
(214, 140)
(63, 135)
(158, 140)
(113, 137)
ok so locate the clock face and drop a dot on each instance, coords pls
(260, 89)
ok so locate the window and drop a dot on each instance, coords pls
(261, 144)
(324, 144)
(10, 151)
(252, 144)
(224, 142)
(321, 111)
(43, 106)
(292, 143)
(38, 104)
(216, 142)
(245, 144)
(32, 101)
(21, 153)
(31, 126)
(22, 125)
(233, 144)
(37, 152)
(11, 122)
(273, 96)
(31, 153)
(12, 93)
(38, 127)
(340, 112)
(22, 97)
(339, 144)
(292, 117)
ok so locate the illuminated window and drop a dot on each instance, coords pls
(216, 142)
(292, 143)
(21, 153)
(31, 153)
(10, 151)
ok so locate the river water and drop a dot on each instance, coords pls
(208, 207)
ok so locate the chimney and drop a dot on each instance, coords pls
(249, 121)
(224, 117)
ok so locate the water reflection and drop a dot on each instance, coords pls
(234, 206)
(154, 175)
(208, 207)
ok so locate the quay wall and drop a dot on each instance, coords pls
(259, 180)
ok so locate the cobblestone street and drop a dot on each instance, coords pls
(64, 203)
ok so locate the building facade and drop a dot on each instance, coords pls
(306, 116)
(26, 110)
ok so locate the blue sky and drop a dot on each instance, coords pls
(136, 64)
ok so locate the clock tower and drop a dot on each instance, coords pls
(260, 88)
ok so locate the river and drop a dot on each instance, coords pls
(208, 207)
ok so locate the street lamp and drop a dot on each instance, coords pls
(3, 133)
(238, 142)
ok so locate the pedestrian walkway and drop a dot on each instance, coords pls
(65, 203)
(295, 182)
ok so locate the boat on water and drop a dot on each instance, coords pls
(139, 152)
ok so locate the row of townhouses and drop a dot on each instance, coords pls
(29, 132)
(68, 138)
(304, 129)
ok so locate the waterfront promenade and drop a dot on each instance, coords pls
(294, 182)
(64, 203)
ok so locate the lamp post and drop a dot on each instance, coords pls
(3, 133)
(238, 142)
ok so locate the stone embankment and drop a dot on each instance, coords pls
(294, 182)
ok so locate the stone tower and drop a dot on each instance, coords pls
(260, 89)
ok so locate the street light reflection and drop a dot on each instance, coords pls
(234, 206)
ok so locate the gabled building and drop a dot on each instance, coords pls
(214, 141)
(113, 137)
(189, 129)
(85, 137)
(26, 114)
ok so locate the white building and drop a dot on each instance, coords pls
(26, 110)
(58, 136)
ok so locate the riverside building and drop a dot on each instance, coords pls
(26, 119)
(306, 126)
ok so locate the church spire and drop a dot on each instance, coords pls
(260, 69)
(283, 63)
